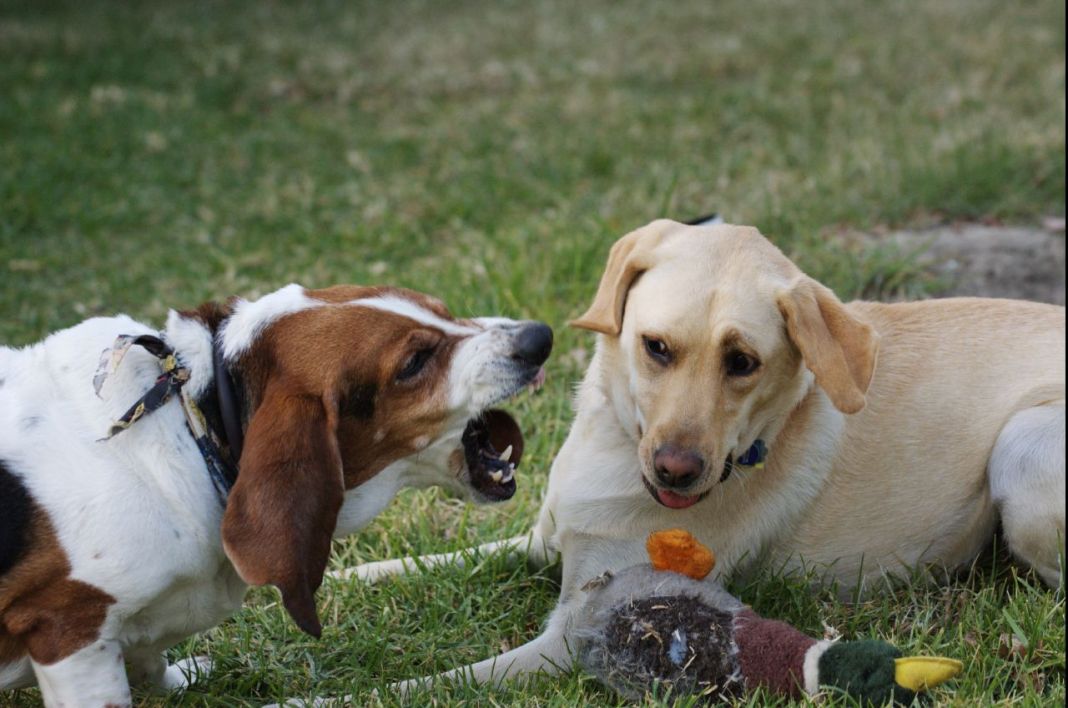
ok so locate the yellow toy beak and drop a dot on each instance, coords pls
(918, 673)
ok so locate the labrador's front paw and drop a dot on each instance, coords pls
(184, 673)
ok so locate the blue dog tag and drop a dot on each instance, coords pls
(754, 456)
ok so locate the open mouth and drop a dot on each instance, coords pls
(674, 500)
(493, 445)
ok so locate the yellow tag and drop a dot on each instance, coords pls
(918, 673)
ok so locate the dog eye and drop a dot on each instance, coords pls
(741, 364)
(415, 363)
(657, 349)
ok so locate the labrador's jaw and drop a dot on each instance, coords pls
(676, 500)
(673, 500)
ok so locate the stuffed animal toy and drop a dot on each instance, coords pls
(662, 624)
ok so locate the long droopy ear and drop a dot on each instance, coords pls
(837, 347)
(630, 257)
(282, 511)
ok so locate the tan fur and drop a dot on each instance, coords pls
(898, 434)
(910, 485)
(908, 481)
(631, 256)
(838, 348)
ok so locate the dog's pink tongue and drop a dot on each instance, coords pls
(676, 501)
(539, 379)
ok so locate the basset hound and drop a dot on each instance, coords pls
(148, 478)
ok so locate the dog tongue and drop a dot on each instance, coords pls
(539, 379)
(676, 501)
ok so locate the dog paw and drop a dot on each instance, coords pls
(313, 703)
(405, 689)
(184, 673)
(370, 573)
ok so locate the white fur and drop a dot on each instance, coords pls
(249, 319)
(93, 676)
(810, 669)
(1027, 484)
(411, 310)
(194, 341)
(137, 514)
(479, 372)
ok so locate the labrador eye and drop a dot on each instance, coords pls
(657, 349)
(741, 364)
(415, 363)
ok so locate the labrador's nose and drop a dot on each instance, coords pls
(533, 342)
(677, 468)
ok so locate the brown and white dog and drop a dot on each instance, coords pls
(897, 435)
(112, 550)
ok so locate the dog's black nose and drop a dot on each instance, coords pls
(676, 467)
(533, 343)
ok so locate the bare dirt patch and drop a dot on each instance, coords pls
(990, 261)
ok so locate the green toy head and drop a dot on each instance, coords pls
(875, 672)
(865, 670)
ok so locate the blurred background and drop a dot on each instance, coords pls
(159, 154)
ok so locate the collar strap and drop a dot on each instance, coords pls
(229, 407)
(168, 383)
(222, 467)
(754, 456)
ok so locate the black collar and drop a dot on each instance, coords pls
(229, 406)
(221, 436)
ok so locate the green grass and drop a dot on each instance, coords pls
(154, 155)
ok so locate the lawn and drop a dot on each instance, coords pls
(158, 154)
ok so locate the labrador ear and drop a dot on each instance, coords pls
(630, 257)
(282, 511)
(837, 347)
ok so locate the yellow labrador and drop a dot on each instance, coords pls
(736, 397)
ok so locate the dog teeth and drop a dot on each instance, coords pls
(497, 476)
(506, 454)
(505, 479)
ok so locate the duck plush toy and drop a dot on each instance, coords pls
(662, 625)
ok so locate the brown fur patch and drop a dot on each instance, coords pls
(771, 654)
(289, 491)
(328, 410)
(211, 314)
(43, 611)
(351, 356)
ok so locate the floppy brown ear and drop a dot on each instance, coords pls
(836, 346)
(630, 257)
(282, 511)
